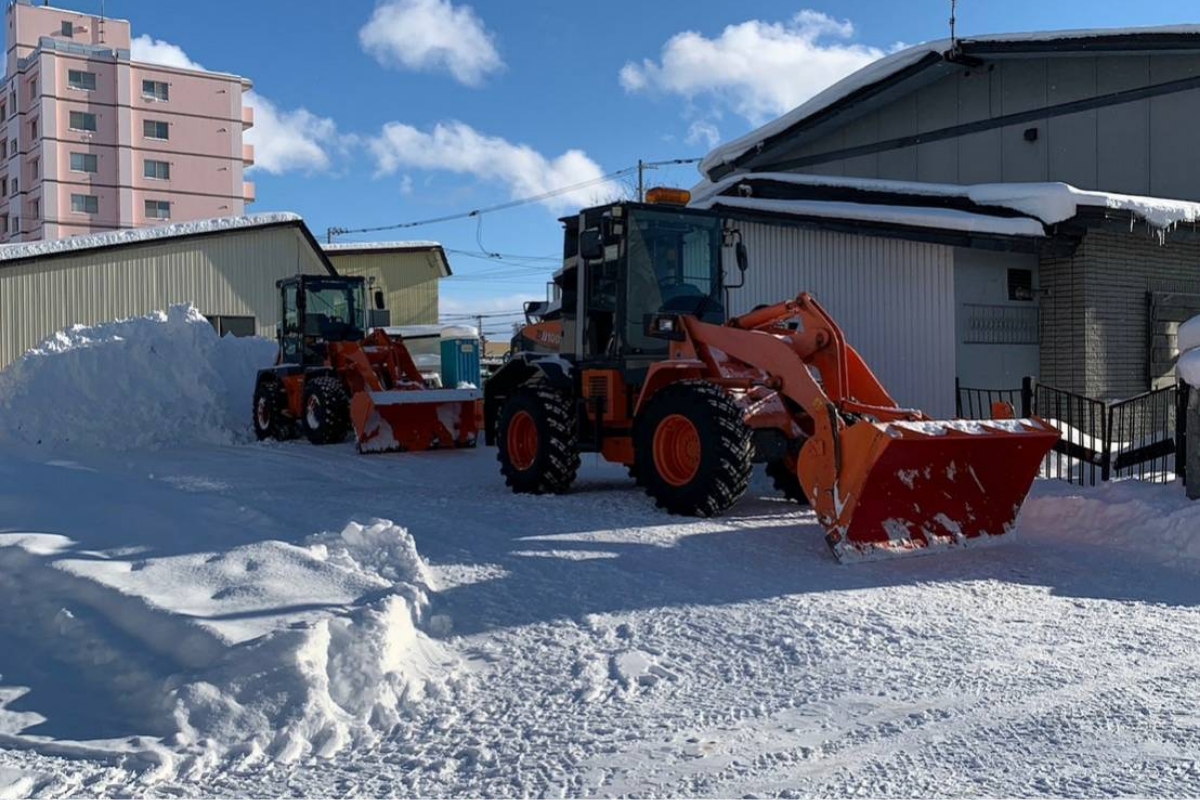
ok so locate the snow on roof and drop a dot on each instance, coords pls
(48, 247)
(892, 64)
(415, 245)
(937, 218)
(1048, 202)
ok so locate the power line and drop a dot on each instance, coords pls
(339, 231)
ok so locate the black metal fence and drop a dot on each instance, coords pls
(1141, 437)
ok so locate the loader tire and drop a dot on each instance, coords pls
(270, 406)
(537, 442)
(786, 481)
(692, 450)
(326, 410)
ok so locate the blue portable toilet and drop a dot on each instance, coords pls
(461, 357)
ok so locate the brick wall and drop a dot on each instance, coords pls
(1096, 330)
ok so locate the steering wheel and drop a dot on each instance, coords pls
(680, 297)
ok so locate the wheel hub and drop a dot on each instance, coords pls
(522, 440)
(677, 450)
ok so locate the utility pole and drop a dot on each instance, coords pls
(479, 322)
(953, 38)
(645, 165)
(332, 232)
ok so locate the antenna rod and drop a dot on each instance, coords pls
(953, 38)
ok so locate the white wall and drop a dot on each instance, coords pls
(981, 298)
(894, 299)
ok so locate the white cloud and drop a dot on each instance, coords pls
(284, 141)
(459, 148)
(703, 132)
(756, 69)
(431, 35)
(156, 51)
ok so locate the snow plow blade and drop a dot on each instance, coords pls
(417, 419)
(909, 488)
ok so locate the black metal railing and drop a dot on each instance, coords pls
(975, 403)
(1081, 455)
(1141, 437)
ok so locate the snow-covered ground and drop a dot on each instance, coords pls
(269, 619)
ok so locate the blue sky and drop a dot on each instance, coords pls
(374, 113)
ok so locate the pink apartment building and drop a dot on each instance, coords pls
(96, 142)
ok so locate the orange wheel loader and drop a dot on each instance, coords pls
(332, 376)
(652, 374)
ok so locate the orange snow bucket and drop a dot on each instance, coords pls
(416, 419)
(907, 488)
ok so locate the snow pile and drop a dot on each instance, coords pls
(315, 689)
(1189, 351)
(1147, 524)
(164, 379)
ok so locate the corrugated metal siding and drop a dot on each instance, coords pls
(409, 282)
(232, 273)
(894, 299)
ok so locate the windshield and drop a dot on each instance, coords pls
(674, 263)
(334, 310)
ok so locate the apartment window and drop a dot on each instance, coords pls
(84, 162)
(153, 129)
(85, 203)
(82, 121)
(15, 224)
(12, 149)
(16, 189)
(35, 167)
(158, 170)
(68, 29)
(35, 209)
(4, 223)
(33, 129)
(158, 209)
(78, 79)
(33, 89)
(3, 111)
(156, 90)
(4, 187)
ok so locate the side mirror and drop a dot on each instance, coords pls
(379, 298)
(743, 260)
(591, 244)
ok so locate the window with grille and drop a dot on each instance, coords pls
(156, 129)
(1020, 284)
(67, 29)
(158, 209)
(233, 325)
(84, 162)
(156, 90)
(85, 204)
(157, 170)
(78, 79)
(82, 121)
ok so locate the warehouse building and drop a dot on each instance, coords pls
(986, 209)
(226, 267)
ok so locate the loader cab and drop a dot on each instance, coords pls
(626, 262)
(316, 310)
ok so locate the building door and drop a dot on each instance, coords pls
(997, 318)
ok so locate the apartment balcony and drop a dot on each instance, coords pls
(248, 192)
(248, 155)
(247, 117)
